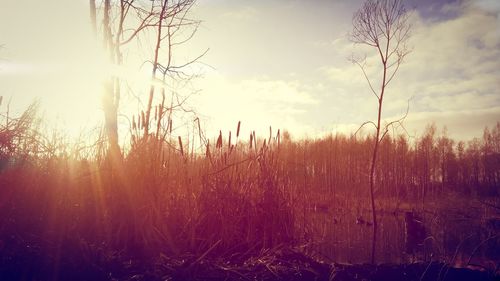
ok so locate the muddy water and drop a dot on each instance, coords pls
(455, 239)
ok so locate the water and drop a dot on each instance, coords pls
(343, 237)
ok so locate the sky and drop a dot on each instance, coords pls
(281, 63)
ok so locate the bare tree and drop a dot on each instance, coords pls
(382, 25)
(126, 21)
(173, 18)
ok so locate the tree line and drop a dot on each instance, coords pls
(409, 169)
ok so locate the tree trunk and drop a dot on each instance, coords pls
(374, 157)
(111, 95)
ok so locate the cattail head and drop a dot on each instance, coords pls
(278, 137)
(134, 125)
(254, 139)
(208, 154)
(219, 140)
(143, 119)
(238, 129)
(180, 145)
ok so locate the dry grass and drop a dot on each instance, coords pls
(163, 199)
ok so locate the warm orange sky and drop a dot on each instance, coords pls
(280, 63)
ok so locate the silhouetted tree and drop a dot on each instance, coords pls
(383, 25)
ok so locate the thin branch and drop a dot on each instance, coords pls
(398, 121)
(191, 61)
(362, 67)
(393, 73)
(364, 124)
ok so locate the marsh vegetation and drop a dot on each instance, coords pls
(178, 203)
(66, 207)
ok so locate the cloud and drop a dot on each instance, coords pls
(488, 5)
(15, 68)
(258, 103)
(245, 13)
(451, 76)
(455, 64)
(461, 125)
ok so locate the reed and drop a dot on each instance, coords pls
(230, 201)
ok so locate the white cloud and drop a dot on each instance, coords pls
(257, 103)
(461, 125)
(245, 13)
(453, 74)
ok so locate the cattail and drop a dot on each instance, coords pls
(219, 140)
(170, 125)
(251, 140)
(278, 137)
(134, 125)
(143, 119)
(208, 154)
(238, 129)
(254, 139)
(229, 142)
(156, 113)
(180, 145)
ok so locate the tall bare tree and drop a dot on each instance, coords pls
(382, 25)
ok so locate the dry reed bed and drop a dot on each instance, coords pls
(232, 202)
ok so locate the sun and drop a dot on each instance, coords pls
(71, 87)
(64, 66)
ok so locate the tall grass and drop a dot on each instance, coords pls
(237, 198)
